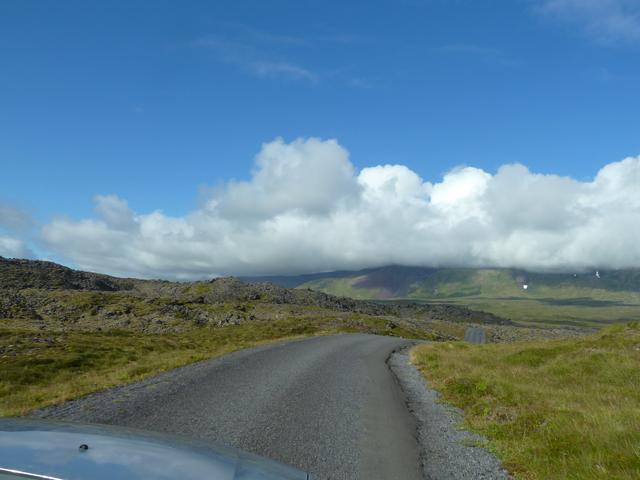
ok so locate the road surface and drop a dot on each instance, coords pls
(327, 405)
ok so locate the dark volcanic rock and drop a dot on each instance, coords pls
(228, 289)
(59, 295)
(452, 313)
(14, 305)
(20, 274)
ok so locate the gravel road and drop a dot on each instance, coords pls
(327, 405)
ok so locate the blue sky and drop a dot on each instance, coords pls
(152, 101)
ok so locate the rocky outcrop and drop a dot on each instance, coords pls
(20, 274)
(227, 289)
(67, 298)
(14, 305)
(452, 313)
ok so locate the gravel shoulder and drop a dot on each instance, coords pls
(447, 452)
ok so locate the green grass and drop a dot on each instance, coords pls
(562, 409)
(115, 302)
(344, 287)
(44, 367)
(567, 311)
(547, 301)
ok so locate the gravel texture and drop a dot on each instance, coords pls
(446, 449)
(326, 405)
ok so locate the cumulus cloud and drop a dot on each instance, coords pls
(309, 175)
(307, 209)
(606, 21)
(14, 223)
(11, 247)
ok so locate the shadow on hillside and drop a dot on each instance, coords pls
(582, 302)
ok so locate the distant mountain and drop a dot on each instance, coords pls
(577, 298)
(46, 294)
(398, 282)
(391, 277)
(35, 289)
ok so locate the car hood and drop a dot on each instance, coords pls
(53, 450)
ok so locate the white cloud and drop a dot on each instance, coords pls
(254, 60)
(307, 209)
(11, 247)
(14, 223)
(307, 175)
(606, 21)
(114, 211)
(393, 185)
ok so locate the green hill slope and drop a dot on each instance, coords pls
(580, 298)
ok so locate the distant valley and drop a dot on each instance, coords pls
(588, 298)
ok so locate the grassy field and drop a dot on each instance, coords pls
(563, 409)
(343, 287)
(554, 312)
(44, 367)
(547, 301)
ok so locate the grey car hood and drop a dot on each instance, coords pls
(52, 450)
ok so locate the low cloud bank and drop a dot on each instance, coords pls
(307, 209)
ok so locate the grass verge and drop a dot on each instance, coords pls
(562, 409)
(40, 368)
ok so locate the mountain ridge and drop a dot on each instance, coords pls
(396, 278)
(51, 294)
(580, 298)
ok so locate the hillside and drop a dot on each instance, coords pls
(580, 298)
(20, 274)
(48, 295)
